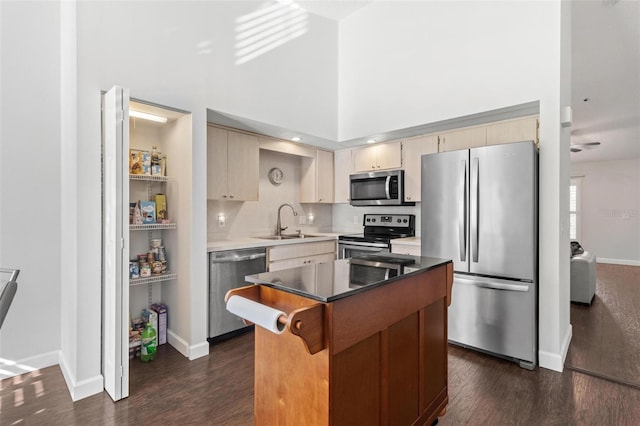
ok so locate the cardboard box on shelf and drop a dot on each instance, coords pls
(148, 210)
(162, 313)
(135, 162)
(146, 163)
(161, 207)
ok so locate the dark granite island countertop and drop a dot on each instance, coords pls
(328, 282)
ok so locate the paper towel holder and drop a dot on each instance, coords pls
(306, 323)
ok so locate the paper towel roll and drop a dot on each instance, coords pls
(257, 313)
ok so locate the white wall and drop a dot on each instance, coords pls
(30, 182)
(610, 209)
(428, 61)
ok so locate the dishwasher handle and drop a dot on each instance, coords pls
(233, 258)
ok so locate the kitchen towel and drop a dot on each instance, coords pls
(257, 313)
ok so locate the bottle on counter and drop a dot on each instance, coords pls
(149, 343)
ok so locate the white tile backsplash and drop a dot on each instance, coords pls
(254, 218)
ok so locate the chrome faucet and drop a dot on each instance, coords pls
(279, 227)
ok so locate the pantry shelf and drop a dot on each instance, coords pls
(152, 178)
(153, 279)
(152, 226)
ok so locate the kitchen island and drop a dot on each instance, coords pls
(359, 341)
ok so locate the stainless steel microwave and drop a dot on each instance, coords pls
(384, 188)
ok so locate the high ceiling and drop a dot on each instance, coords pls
(605, 73)
(606, 78)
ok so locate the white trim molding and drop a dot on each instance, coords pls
(83, 388)
(11, 368)
(628, 262)
(555, 361)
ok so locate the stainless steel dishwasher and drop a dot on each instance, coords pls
(227, 270)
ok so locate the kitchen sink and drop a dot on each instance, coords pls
(288, 236)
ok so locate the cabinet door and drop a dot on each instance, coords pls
(405, 249)
(521, 129)
(243, 165)
(463, 139)
(343, 168)
(325, 176)
(364, 159)
(217, 163)
(389, 155)
(308, 180)
(412, 152)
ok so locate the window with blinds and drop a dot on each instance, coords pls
(574, 209)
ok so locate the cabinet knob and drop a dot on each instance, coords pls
(224, 195)
(409, 198)
(230, 196)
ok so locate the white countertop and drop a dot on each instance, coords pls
(251, 242)
(408, 241)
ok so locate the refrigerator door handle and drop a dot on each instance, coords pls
(387, 187)
(462, 210)
(494, 285)
(475, 201)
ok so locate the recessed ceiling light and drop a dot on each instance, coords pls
(296, 138)
(371, 141)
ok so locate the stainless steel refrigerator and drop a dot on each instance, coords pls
(479, 208)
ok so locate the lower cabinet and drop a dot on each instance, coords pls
(300, 254)
(409, 249)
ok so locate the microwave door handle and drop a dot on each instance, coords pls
(387, 187)
(462, 210)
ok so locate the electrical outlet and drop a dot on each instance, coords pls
(222, 220)
(311, 219)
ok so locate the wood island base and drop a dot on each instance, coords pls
(382, 361)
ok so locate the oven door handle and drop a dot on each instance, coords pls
(362, 245)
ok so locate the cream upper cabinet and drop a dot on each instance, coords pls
(471, 137)
(232, 165)
(520, 129)
(377, 157)
(412, 152)
(316, 181)
(343, 168)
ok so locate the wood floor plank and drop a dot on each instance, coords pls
(606, 335)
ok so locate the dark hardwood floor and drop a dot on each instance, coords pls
(218, 389)
(606, 335)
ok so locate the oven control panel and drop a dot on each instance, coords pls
(389, 220)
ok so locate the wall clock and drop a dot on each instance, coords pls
(275, 176)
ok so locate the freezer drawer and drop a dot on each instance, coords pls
(495, 315)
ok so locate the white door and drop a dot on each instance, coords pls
(115, 219)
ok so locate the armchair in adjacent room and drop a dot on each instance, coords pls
(583, 274)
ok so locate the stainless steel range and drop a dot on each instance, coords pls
(379, 230)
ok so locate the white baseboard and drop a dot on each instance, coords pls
(192, 352)
(198, 350)
(10, 368)
(83, 388)
(555, 361)
(178, 343)
(628, 262)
